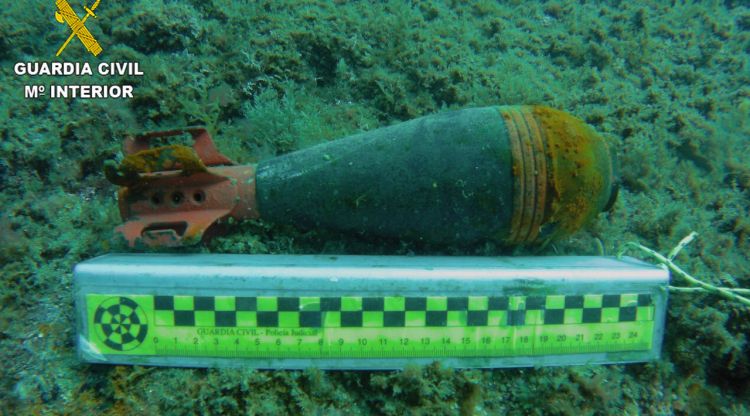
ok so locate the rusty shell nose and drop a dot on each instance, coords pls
(564, 173)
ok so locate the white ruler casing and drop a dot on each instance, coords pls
(367, 312)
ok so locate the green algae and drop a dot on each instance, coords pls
(668, 84)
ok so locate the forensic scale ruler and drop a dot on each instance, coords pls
(367, 312)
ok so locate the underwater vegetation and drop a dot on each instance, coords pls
(668, 83)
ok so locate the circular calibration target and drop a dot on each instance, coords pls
(120, 323)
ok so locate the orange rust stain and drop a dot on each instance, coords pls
(159, 159)
(577, 183)
(163, 158)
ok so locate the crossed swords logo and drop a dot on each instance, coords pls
(65, 14)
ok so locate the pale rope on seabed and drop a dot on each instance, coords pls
(698, 285)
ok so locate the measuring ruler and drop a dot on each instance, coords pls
(367, 312)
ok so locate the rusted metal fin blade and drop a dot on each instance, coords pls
(203, 144)
(172, 229)
(178, 210)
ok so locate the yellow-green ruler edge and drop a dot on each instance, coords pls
(367, 312)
